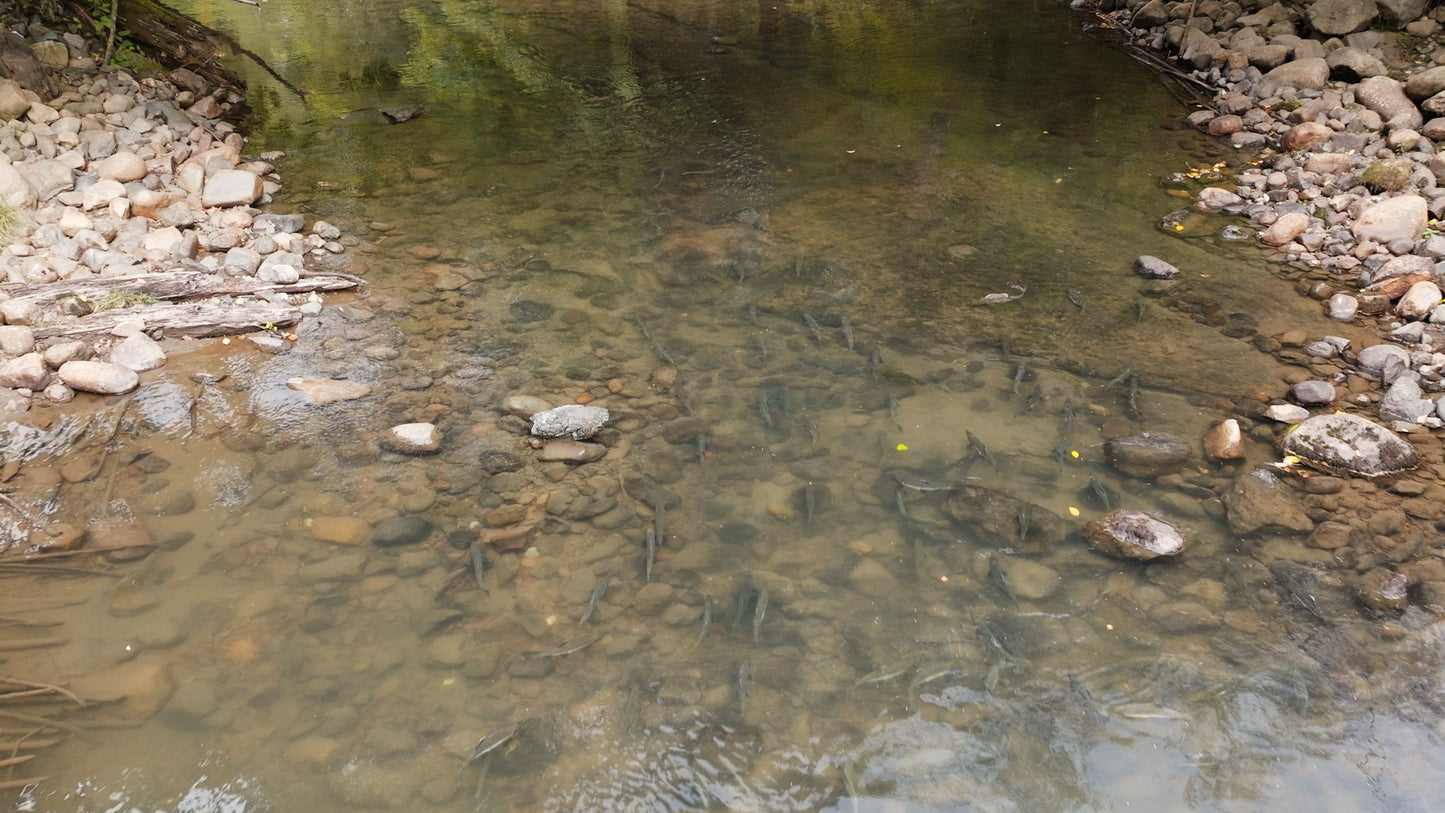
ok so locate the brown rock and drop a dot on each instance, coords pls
(340, 530)
(652, 597)
(1224, 441)
(1307, 134)
(1382, 589)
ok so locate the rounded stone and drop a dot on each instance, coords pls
(1313, 392)
(1147, 454)
(1133, 534)
(1155, 268)
(400, 531)
(100, 377)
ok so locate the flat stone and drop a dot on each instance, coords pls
(100, 377)
(1028, 579)
(1313, 392)
(122, 166)
(1147, 454)
(1349, 444)
(1310, 73)
(1403, 402)
(328, 390)
(1375, 357)
(571, 451)
(1286, 413)
(340, 530)
(524, 406)
(337, 568)
(231, 187)
(401, 531)
(1402, 217)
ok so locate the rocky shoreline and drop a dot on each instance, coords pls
(129, 214)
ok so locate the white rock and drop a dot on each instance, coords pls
(162, 240)
(25, 372)
(231, 187)
(74, 220)
(1393, 219)
(576, 421)
(101, 193)
(1286, 413)
(1419, 300)
(328, 390)
(413, 438)
(138, 352)
(15, 191)
(122, 166)
(98, 377)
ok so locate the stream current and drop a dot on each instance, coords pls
(762, 237)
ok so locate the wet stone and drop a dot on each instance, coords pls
(102, 378)
(321, 391)
(336, 568)
(191, 702)
(524, 406)
(574, 421)
(496, 461)
(1224, 441)
(527, 311)
(1155, 268)
(1383, 590)
(399, 531)
(1313, 392)
(1028, 579)
(1259, 502)
(1148, 454)
(570, 451)
(1133, 534)
(1347, 443)
(413, 438)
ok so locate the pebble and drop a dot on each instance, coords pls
(399, 531)
(570, 451)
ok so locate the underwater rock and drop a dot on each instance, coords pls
(574, 421)
(1133, 534)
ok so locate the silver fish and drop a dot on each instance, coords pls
(1148, 711)
(888, 671)
(762, 348)
(898, 500)
(752, 313)
(699, 445)
(597, 592)
(810, 502)
(1035, 396)
(649, 552)
(659, 524)
(760, 609)
(663, 355)
(744, 674)
(1101, 493)
(567, 647)
(893, 407)
(1000, 579)
(1076, 297)
(919, 483)
(813, 431)
(813, 327)
(1025, 517)
(785, 400)
(763, 411)
(706, 620)
(478, 565)
(875, 360)
(1019, 374)
(847, 333)
(1061, 454)
(493, 741)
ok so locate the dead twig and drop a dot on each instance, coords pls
(46, 686)
(16, 760)
(41, 721)
(31, 643)
(12, 784)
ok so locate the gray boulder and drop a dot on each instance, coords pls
(1353, 64)
(574, 421)
(1337, 18)
(1387, 97)
(1155, 268)
(1426, 83)
(1402, 217)
(1403, 402)
(1310, 73)
(1132, 534)
(99, 377)
(1349, 444)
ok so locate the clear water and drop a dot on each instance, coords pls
(602, 200)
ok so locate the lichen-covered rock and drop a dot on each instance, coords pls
(1350, 444)
(1133, 534)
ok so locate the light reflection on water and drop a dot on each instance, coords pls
(594, 204)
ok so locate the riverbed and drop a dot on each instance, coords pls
(771, 240)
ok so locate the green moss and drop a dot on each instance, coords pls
(1284, 106)
(123, 299)
(1387, 176)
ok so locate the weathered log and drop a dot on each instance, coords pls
(177, 41)
(173, 285)
(194, 320)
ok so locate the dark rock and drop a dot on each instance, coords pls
(1148, 454)
(397, 115)
(400, 531)
(650, 492)
(1383, 590)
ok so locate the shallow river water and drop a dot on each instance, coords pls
(762, 237)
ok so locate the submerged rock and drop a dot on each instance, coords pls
(1224, 441)
(998, 519)
(1260, 501)
(413, 438)
(328, 390)
(1147, 454)
(1350, 444)
(1155, 268)
(1133, 534)
(571, 421)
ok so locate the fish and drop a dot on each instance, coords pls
(875, 360)
(810, 501)
(847, 333)
(785, 400)
(744, 674)
(1061, 453)
(699, 445)
(762, 348)
(492, 742)
(649, 548)
(751, 311)
(597, 592)
(1000, 579)
(1148, 711)
(893, 407)
(1017, 285)
(1077, 297)
(1035, 396)
(1025, 516)
(813, 432)
(760, 609)
(898, 500)
(659, 524)
(763, 412)
(928, 674)
(1141, 309)
(1100, 494)
(1121, 379)
(567, 647)
(478, 565)
(813, 327)
(706, 620)
(1134, 398)
(921, 483)
(745, 598)
(999, 299)
(888, 671)
(1068, 414)
(850, 784)
(979, 449)
(1017, 377)
(662, 354)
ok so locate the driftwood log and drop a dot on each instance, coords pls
(193, 309)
